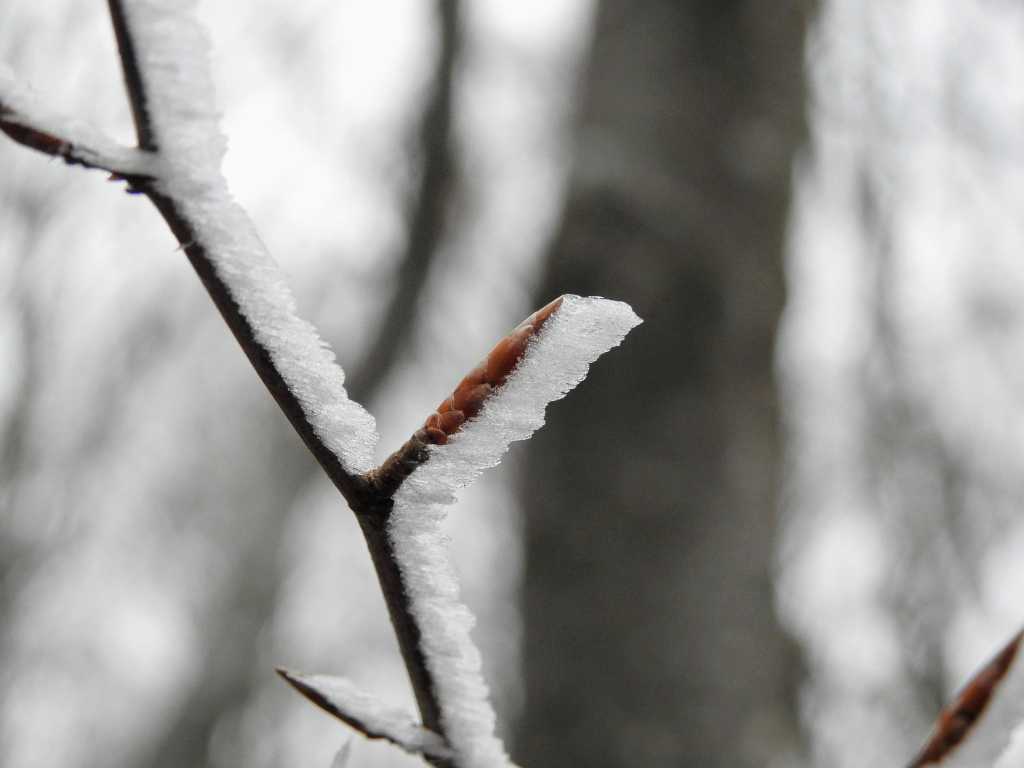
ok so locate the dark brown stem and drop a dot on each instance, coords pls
(389, 476)
(132, 77)
(129, 165)
(407, 631)
(374, 528)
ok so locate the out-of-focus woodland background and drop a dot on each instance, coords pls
(776, 528)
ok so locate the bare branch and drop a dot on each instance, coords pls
(339, 697)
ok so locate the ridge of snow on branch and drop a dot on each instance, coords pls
(25, 118)
(343, 699)
(555, 361)
(173, 59)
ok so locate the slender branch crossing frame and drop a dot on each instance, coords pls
(369, 495)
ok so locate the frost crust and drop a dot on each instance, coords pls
(173, 52)
(555, 361)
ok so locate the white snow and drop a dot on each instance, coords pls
(174, 63)
(372, 716)
(555, 361)
(173, 53)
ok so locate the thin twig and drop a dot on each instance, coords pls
(132, 77)
(26, 121)
(340, 698)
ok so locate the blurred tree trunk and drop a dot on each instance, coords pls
(651, 499)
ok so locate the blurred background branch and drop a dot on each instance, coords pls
(428, 208)
(648, 575)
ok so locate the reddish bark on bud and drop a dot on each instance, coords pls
(493, 371)
(956, 720)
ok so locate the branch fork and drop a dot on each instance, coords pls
(25, 120)
(398, 504)
(395, 503)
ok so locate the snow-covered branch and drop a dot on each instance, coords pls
(164, 52)
(502, 400)
(399, 505)
(372, 718)
(165, 61)
(24, 118)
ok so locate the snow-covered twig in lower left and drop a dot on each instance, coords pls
(372, 718)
